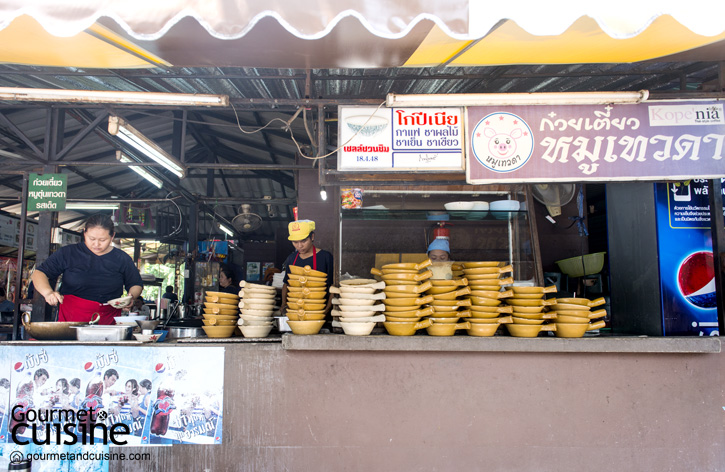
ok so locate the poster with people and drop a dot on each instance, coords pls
(123, 395)
(183, 410)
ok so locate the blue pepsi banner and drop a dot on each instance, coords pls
(687, 274)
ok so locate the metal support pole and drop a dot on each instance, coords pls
(717, 227)
(21, 256)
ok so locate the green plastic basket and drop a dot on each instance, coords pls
(580, 266)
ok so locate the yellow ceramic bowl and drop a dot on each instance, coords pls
(397, 328)
(484, 330)
(222, 317)
(306, 283)
(528, 321)
(223, 300)
(525, 330)
(305, 315)
(219, 311)
(306, 327)
(221, 306)
(401, 319)
(306, 271)
(305, 304)
(219, 331)
(213, 322)
(446, 329)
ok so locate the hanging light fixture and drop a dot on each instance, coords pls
(139, 170)
(510, 99)
(119, 127)
(91, 206)
(112, 96)
(226, 230)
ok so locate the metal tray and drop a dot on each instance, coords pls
(103, 333)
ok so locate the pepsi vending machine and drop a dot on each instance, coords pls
(686, 268)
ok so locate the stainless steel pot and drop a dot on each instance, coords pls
(176, 332)
(103, 332)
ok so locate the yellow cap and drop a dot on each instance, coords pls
(299, 230)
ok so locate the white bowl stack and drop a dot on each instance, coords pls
(256, 306)
(358, 306)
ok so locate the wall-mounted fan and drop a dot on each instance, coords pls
(553, 196)
(246, 221)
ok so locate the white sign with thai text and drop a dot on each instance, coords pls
(390, 139)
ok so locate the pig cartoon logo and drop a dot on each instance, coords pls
(502, 142)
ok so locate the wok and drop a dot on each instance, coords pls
(51, 330)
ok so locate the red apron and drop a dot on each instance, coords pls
(314, 258)
(79, 309)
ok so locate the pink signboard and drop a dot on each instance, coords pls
(666, 140)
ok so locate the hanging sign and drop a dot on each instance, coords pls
(47, 192)
(397, 139)
(567, 143)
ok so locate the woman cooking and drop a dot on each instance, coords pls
(94, 273)
(302, 235)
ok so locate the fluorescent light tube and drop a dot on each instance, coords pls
(118, 127)
(91, 206)
(116, 97)
(139, 170)
(509, 99)
(226, 230)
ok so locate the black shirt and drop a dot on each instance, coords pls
(324, 264)
(91, 277)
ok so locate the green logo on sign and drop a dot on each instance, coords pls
(47, 192)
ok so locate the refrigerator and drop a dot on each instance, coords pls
(686, 269)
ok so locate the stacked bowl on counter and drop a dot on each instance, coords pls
(220, 314)
(306, 299)
(405, 284)
(528, 316)
(573, 316)
(485, 282)
(256, 306)
(449, 306)
(358, 305)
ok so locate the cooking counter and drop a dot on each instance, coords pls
(341, 342)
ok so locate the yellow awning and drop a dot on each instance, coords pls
(26, 42)
(583, 42)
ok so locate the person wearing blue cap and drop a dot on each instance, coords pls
(439, 250)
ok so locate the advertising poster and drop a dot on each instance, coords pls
(687, 276)
(186, 403)
(124, 395)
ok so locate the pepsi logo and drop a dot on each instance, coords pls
(696, 279)
(88, 366)
(160, 368)
(19, 367)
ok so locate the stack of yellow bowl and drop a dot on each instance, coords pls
(486, 284)
(405, 284)
(574, 315)
(256, 305)
(449, 305)
(358, 305)
(306, 299)
(220, 314)
(528, 316)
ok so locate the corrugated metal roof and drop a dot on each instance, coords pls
(266, 97)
